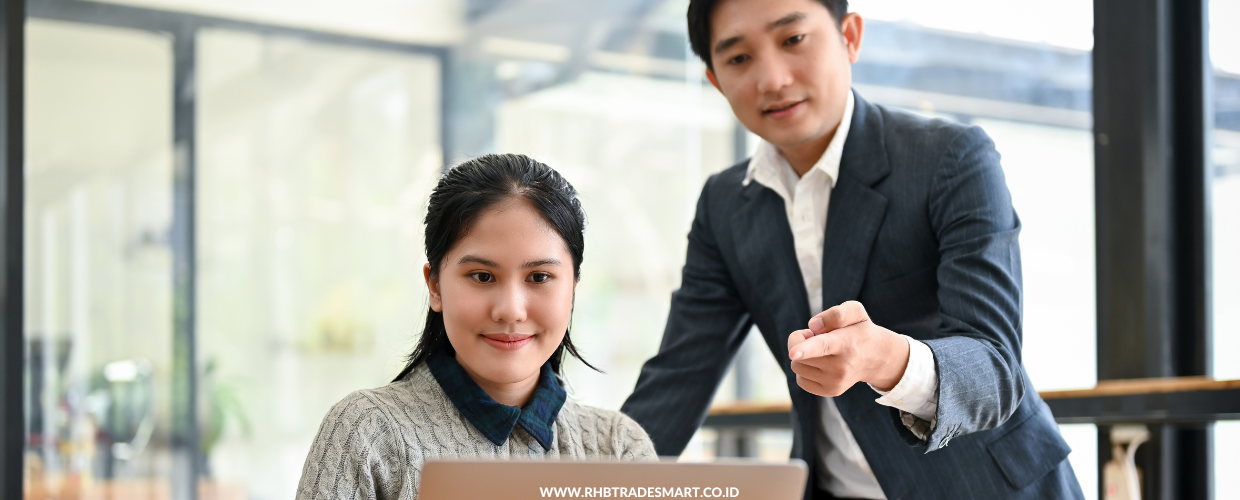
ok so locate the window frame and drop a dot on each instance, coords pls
(182, 29)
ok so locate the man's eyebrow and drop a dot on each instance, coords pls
(726, 43)
(479, 260)
(776, 24)
(786, 20)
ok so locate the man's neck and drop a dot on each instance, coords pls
(803, 157)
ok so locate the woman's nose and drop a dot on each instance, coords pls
(510, 304)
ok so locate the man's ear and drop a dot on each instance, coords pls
(432, 286)
(852, 27)
(710, 75)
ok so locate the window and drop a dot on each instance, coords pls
(315, 154)
(1023, 74)
(98, 264)
(636, 131)
(1225, 218)
(315, 161)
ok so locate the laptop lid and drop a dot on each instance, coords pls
(520, 480)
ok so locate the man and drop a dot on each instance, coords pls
(903, 227)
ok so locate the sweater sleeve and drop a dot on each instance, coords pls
(356, 455)
(630, 441)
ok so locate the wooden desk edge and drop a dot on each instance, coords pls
(1104, 388)
(1145, 386)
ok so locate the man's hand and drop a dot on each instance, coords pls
(842, 347)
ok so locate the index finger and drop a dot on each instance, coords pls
(815, 347)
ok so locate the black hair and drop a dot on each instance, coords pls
(463, 194)
(699, 23)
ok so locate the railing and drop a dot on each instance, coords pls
(1137, 401)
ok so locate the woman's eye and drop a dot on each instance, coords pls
(540, 277)
(738, 59)
(794, 40)
(483, 277)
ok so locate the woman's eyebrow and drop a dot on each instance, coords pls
(478, 260)
(489, 263)
(543, 262)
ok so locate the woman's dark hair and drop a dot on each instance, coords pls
(699, 23)
(465, 193)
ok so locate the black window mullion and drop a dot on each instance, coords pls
(1151, 130)
(12, 205)
(187, 458)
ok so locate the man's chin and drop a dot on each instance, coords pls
(791, 139)
(786, 134)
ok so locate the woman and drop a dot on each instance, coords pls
(504, 241)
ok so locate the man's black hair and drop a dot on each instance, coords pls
(699, 23)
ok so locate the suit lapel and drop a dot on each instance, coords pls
(856, 210)
(765, 250)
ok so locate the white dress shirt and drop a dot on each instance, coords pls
(842, 467)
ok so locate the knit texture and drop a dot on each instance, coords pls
(373, 443)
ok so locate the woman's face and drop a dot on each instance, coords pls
(506, 293)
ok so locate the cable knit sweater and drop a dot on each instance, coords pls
(373, 443)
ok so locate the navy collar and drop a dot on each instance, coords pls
(496, 421)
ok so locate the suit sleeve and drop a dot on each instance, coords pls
(705, 327)
(977, 354)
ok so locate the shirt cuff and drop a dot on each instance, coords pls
(918, 390)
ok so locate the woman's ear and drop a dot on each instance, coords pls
(432, 286)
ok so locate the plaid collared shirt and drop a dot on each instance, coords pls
(496, 421)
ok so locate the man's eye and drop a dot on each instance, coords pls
(540, 277)
(738, 59)
(483, 277)
(794, 40)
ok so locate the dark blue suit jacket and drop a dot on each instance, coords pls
(921, 230)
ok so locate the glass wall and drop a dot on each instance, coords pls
(98, 264)
(627, 116)
(1225, 235)
(1023, 74)
(640, 111)
(315, 161)
(1225, 187)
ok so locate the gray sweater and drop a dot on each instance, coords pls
(372, 444)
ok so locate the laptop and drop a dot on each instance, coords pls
(521, 480)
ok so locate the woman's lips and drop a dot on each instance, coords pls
(507, 341)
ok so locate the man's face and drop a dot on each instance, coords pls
(784, 66)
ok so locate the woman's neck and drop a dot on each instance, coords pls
(507, 393)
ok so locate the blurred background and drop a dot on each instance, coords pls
(224, 203)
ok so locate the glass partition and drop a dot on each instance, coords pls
(98, 263)
(1225, 187)
(315, 161)
(1023, 74)
(629, 120)
(1225, 234)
